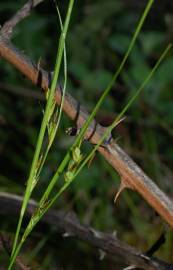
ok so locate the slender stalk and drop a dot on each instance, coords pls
(81, 134)
(105, 93)
(32, 174)
(42, 211)
(112, 82)
(109, 129)
(79, 137)
(120, 115)
(62, 101)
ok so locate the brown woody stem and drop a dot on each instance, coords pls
(120, 161)
(67, 224)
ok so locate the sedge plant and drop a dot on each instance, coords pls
(38, 159)
(74, 160)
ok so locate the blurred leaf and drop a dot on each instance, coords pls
(119, 42)
(151, 40)
(164, 73)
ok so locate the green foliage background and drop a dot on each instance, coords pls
(99, 35)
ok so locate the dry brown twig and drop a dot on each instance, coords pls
(25, 11)
(68, 225)
(131, 175)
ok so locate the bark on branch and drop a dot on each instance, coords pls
(7, 28)
(132, 176)
(68, 224)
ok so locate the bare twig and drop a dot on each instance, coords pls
(130, 173)
(21, 91)
(7, 28)
(67, 224)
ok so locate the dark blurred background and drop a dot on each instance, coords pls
(98, 37)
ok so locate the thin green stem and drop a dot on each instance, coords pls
(33, 222)
(79, 137)
(85, 126)
(112, 82)
(32, 174)
(120, 115)
(55, 177)
(81, 134)
(61, 105)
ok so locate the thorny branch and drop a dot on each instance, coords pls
(67, 224)
(131, 175)
(7, 28)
